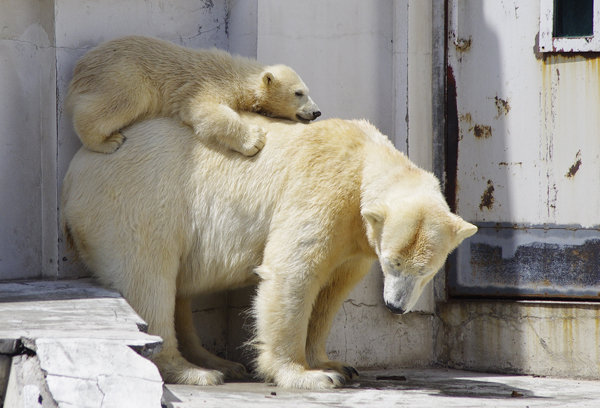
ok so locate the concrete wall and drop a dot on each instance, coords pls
(353, 55)
(361, 60)
(39, 45)
(80, 25)
(28, 238)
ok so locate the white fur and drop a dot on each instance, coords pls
(136, 77)
(166, 218)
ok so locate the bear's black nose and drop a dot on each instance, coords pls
(316, 114)
(394, 309)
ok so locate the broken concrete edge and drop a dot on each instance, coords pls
(26, 345)
(28, 290)
(26, 384)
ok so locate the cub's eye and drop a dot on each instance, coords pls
(299, 94)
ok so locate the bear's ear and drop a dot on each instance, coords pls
(268, 78)
(374, 215)
(463, 230)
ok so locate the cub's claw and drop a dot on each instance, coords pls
(255, 142)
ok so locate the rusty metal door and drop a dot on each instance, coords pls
(523, 156)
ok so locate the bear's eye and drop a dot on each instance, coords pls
(299, 94)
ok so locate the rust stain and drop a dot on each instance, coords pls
(482, 131)
(575, 167)
(487, 199)
(502, 106)
(463, 45)
(540, 264)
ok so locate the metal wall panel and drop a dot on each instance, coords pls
(527, 147)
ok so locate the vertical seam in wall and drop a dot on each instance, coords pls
(408, 67)
(57, 125)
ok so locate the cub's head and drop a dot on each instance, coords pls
(412, 237)
(283, 95)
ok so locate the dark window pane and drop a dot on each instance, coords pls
(573, 18)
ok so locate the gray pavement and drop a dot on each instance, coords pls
(399, 388)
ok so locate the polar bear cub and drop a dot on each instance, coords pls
(136, 77)
(335, 200)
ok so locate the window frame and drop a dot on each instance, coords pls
(548, 43)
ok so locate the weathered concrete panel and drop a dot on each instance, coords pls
(534, 261)
(27, 141)
(542, 338)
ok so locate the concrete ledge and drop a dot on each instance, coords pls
(72, 343)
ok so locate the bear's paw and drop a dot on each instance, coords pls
(111, 143)
(310, 379)
(255, 141)
(344, 369)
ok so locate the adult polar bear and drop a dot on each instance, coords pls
(135, 77)
(166, 218)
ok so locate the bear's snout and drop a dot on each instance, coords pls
(394, 309)
(307, 117)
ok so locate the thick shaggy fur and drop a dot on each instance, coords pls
(166, 218)
(136, 77)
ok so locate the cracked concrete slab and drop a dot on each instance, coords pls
(74, 344)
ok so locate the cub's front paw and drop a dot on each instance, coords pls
(255, 141)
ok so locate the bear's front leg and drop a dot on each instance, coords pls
(220, 123)
(328, 302)
(282, 308)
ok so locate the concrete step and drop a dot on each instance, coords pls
(74, 344)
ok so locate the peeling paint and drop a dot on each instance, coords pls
(539, 264)
(575, 167)
(502, 106)
(463, 45)
(487, 199)
(482, 131)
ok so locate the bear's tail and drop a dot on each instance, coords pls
(70, 241)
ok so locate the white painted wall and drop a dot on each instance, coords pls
(355, 56)
(28, 234)
(83, 24)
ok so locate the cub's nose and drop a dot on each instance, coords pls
(316, 114)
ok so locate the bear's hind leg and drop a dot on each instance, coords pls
(98, 121)
(328, 303)
(149, 287)
(192, 350)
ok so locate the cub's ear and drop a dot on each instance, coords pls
(463, 230)
(374, 215)
(268, 78)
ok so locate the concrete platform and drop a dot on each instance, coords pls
(398, 388)
(74, 344)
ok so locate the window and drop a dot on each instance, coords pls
(569, 25)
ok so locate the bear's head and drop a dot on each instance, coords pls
(412, 238)
(282, 94)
